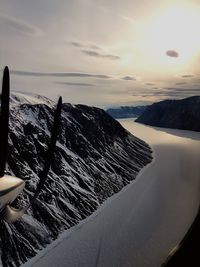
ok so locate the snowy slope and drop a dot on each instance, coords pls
(18, 99)
(139, 226)
(95, 158)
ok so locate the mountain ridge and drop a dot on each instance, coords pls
(177, 114)
(95, 158)
(126, 111)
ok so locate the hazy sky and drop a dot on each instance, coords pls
(102, 52)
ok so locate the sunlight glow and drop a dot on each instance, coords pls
(175, 29)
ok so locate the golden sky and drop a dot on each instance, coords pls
(103, 53)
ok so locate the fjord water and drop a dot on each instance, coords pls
(141, 224)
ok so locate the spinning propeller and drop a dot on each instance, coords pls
(10, 186)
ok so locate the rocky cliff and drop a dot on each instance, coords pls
(95, 158)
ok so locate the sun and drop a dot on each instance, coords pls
(174, 29)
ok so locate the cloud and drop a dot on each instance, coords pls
(81, 45)
(151, 84)
(96, 54)
(172, 53)
(76, 44)
(75, 84)
(170, 93)
(180, 83)
(185, 90)
(128, 78)
(20, 25)
(187, 76)
(59, 74)
(177, 92)
(88, 49)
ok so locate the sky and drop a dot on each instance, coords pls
(102, 53)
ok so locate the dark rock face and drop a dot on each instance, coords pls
(178, 114)
(95, 158)
(126, 112)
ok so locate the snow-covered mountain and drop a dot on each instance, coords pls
(95, 158)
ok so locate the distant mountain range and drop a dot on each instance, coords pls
(126, 111)
(95, 158)
(178, 114)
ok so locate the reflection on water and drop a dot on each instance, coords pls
(151, 136)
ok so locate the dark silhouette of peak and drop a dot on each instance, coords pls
(178, 114)
(126, 111)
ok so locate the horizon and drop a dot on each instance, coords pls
(104, 54)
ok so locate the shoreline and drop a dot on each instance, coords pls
(139, 224)
(68, 232)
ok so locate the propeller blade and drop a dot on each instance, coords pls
(52, 145)
(4, 120)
